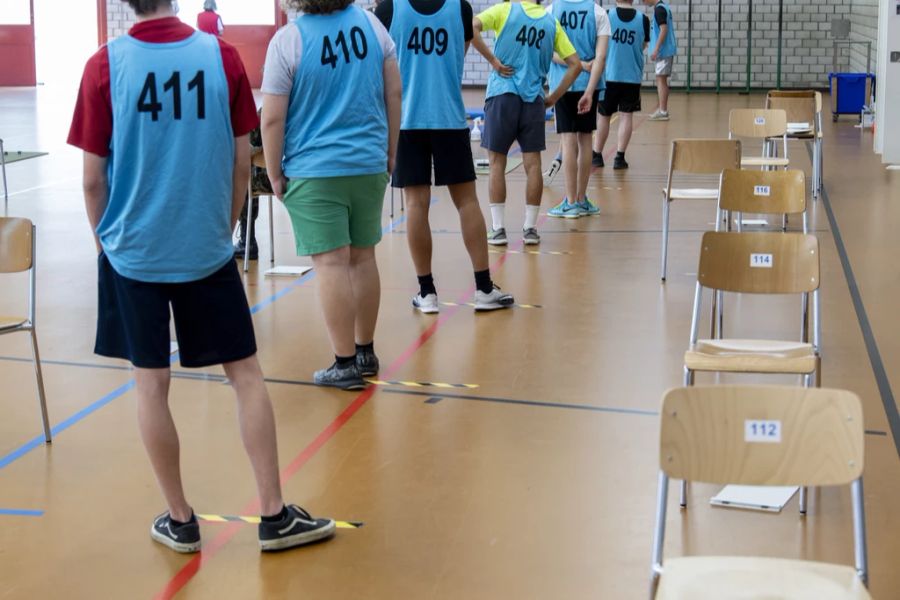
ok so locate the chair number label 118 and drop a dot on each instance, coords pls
(762, 190)
(763, 432)
(761, 261)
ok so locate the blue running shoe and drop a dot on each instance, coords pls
(565, 210)
(588, 208)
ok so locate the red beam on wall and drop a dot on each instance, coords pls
(17, 44)
(102, 34)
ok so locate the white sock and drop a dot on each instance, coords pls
(531, 216)
(497, 213)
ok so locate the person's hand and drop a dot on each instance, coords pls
(279, 186)
(392, 163)
(550, 100)
(503, 70)
(654, 57)
(586, 66)
(585, 103)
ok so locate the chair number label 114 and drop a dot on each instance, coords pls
(762, 190)
(761, 261)
(764, 432)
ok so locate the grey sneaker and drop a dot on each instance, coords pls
(427, 305)
(367, 363)
(345, 378)
(659, 115)
(531, 236)
(184, 538)
(496, 299)
(497, 237)
(297, 528)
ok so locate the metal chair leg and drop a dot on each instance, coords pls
(5, 189)
(803, 494)
(272, 230)
(39, 376)
(392, 203)
(249, 232)
(665, 239)
(688, 381)
(402, 201)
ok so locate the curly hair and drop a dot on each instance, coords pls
(316, 7)
(147, 7)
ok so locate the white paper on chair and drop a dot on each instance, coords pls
(751, 222)
(754, 497)
(287, 271)
(799, 126)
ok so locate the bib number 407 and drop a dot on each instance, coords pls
(148, 101)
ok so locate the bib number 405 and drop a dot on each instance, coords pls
(530, 36)
(623, 36)
(148, 101)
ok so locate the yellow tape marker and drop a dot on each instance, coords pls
(418, 384)
(534, 252)
(473, 304)
(256, 520)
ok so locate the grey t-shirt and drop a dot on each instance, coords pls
(286, 52)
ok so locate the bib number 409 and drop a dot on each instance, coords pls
(148, 101)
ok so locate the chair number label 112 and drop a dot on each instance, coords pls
(763, 432)
(762, 190)
(761, 261)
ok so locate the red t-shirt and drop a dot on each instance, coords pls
(92, 123)
(208, 22)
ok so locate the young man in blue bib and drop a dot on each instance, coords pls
(515, 106)
(624, 73)
(663, 48)
(432, 37)
(587, 26)
(163, 116)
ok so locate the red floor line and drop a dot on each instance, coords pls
(193, 566)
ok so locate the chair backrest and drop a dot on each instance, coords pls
(704, 157)
(801, 107)
(258, 160)
(762, 435)
(757, 123)
(15, 245)
(766, 192)
(759, 262)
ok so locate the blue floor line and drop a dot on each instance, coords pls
(123, 389)
(20, 512)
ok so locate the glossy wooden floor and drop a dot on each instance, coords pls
(538, 484)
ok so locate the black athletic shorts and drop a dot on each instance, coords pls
(621, 97)
(212, 319)
(448, 150)
(508, 119)
(567, 118)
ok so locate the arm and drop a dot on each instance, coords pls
(96, 191)
(274, 115)
(587, 100)
(220, 25)
(483, 49)
(240, 177)
(393, 89)
(663, 32)
(572, 72)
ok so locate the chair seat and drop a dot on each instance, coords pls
(11, 322)
(693, 194)
(746, 578)
(751, 356)
(762, 161)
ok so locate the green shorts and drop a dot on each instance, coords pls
(332, 212)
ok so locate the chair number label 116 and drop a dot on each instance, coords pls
(761, 261)
(759, 121)
(762, 190)
(764, 432)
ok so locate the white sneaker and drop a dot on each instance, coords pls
(550, 174)
(496, 299)
(659, 115)
(427, 305)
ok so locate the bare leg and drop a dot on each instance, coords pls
(584, 165)
(335, 295)
(471, 222)
(662, 88)
(366, 286)
(602, 133)
(161, 438)
(571, 160)
(626, 122)
(418, 229)
(257, 422)
(497, 185)
(534, 187)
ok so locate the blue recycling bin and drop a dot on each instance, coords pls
(850, 92)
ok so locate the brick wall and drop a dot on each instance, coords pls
(119, 18)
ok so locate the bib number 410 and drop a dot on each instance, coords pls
(358, 45)
(148, 101)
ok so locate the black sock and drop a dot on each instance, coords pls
(344, 361)
(426, 285)
(276, 517)
(620, 155)
(595, 154)
(177, 523)
(483, 281)
(370, 347)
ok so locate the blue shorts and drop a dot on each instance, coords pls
(508, 119)
(212, 319)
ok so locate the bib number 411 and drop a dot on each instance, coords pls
(149, 102)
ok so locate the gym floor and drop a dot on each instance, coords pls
(539, 483)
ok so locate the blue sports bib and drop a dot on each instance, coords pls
(670, 44)
(625, 59)
(526, 45)
(580, 24)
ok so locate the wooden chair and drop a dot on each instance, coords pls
(757, 263)
(762, 192)
(760, 435)
(803, 107)
(258, 160)
(762, 124)
(17, 254)
(695, 157)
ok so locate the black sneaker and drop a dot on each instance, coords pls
(367, 363)
(184, 538)
(345, 378)
(239, 249)
(619, 163)
(597, 160)
(296, 529)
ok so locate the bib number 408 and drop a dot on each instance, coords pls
(530, 36)
(148, 101)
